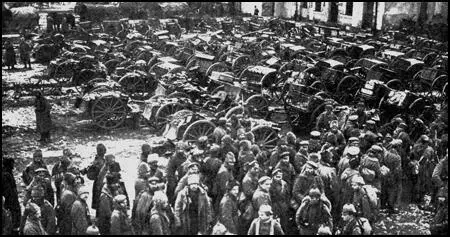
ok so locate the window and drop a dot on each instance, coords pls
(318, 7)
(304, 4)
(349, 8)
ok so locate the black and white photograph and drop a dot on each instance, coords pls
(224, 118)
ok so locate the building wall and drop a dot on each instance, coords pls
(285, 9)
(355, 19)
(249, 7)
(396, 11)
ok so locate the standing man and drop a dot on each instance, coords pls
(193, 210)
(10, 55)
(120, 221)
(25, 50)
(9, 191)
(43, 119)
(256, 11)
(80, 213)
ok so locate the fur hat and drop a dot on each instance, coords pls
(263, 179)
(146, 148)
(349, 208)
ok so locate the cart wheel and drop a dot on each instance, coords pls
(444, 91)
(178, 95)
(156, 97)
(178, 70)
(429, 59)
(317, 85)
(63, 73)
(199, 129)
(311, 74)
(111, 65)
(394, 84)
(323, 95)
(259, 106)
(133, 83)
(217, 89)
(263, 44)
(191, 63)
(152, 69)
(84, 76)
(240, 64)
(223, 57)
(109, 112)
(410, 53)
(265, 137)
(347, 88)
(216, 67)
(417, 106)
(162, 116)
(152, 61)
(413, 69)
(236, 110)
(439, 83)
(315, 114)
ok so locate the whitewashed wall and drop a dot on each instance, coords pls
(249, 7)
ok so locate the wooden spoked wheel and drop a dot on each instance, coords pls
(236, 110)
(258, 106)
(133, 83)
(216, 67)
(162, 116)
(240, 64)
(109, 112)
(347, 88)
(265, 137)
(199, 129)
(63, 73)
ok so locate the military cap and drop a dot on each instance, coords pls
(193, 164)
(315, 134)
(353, 117)
(370, 122)
(353, 150)
(358, 179)
(314, 192)
(263, 179)
(153, 159)
(41, 170)
(120, 198)
(146, 148)
(83, 189)
(353, 139)
(396, 142)
(214, 148)
(376, 148)
(153, 178)
(403, 125)
(286, 153)
(304, 143)
(349, 208)
(230, 157)
(275, 171)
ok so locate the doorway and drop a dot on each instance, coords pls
(334, 11)
(368, 15)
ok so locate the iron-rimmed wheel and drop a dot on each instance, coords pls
(162, 116)
(192, 62)
(216, 67)
(265, 137)
(199, 129)
(439, 83)
(133, 83)
(239, 64)
(63, 73)
(417, 106)
(413, 69)
(109, 112)
(395, 84)
(347, 88)
(311, 75)
(236, 110)
(152, 69)
(259, 106)
(315, 114)
(429, 59)
(111, 65)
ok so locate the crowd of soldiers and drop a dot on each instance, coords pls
(337, 181)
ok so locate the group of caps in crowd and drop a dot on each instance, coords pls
(336, 182)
